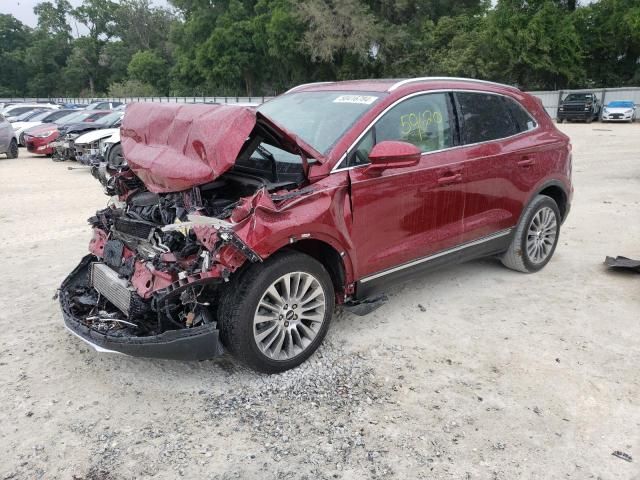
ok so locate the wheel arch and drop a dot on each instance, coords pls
(327, 255)
(557, 191)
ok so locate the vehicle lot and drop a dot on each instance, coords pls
(473, 372)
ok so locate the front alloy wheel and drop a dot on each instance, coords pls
(274, 315)
(289, 316)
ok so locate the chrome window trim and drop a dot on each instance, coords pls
(457, 248)
(336, 167)
(401, 83)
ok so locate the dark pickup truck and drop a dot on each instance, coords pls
(579, 106)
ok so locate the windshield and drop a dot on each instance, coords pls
(319, 118)
(28, 115)
(578, 97)
(109, 119)
(40, 116)
(621, 104)
(72, 118)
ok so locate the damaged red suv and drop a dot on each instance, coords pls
(241, 228)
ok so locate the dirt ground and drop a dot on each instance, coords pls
(474, 372)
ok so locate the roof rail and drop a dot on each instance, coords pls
(422, 79)
(305, 85)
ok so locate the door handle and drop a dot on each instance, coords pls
(526, 161)
(455, 178)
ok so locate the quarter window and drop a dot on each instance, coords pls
(484, 117)
(524, 121)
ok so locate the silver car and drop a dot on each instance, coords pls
(8, 141)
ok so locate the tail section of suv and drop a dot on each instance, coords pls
(242, 229)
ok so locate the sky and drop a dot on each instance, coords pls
(23, 9)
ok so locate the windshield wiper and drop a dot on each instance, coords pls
(274, 165)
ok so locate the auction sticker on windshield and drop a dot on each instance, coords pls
(364, 99)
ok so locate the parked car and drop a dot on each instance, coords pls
(619, 111)
(20, 108)
(579, 106)
(243, 228)
(103, 105)
(64, 148)
(98, 146)
(40, 139)
(26, 115)
(46, 116)
(8, 140)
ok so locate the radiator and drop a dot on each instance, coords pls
(107, 283)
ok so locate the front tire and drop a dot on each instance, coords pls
(116, 159)
(275, 314)
(536, 236)
(13, 151)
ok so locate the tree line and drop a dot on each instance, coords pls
(263, 47)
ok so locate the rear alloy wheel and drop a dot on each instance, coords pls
(13, 151)
(536, 236)
(275, 314)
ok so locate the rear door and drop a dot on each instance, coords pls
(500, 162)
(404, 214)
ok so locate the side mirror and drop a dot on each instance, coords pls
(393, 154)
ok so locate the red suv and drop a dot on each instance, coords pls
(244, 228)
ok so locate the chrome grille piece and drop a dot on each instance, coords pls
(107, 283)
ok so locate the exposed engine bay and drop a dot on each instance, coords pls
(158, 260)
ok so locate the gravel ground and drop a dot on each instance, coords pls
(474, 372)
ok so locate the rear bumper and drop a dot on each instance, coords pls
(197, 343)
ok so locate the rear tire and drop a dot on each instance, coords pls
(266, 322)
(13, 151)
(536, 236)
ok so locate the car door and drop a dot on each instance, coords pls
(407, 213)
(499, 165)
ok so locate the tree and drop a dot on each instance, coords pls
(610, 34)
(534, 44)
(98, 17)
(131, 88)
(15, 38)
(148, 67)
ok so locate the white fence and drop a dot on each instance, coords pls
(550, 99)
(78, 100)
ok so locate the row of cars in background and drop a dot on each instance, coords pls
(587, 107)
(63, 132)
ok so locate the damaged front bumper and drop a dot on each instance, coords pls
(197, 343)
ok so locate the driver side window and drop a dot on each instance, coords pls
(421, 120)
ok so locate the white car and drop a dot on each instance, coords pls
(8, 141)
(99, 143)
(619, 111)
(20, 108)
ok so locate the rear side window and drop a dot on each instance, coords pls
(484, 117)
(524, 121)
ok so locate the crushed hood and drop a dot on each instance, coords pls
(173, 147)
